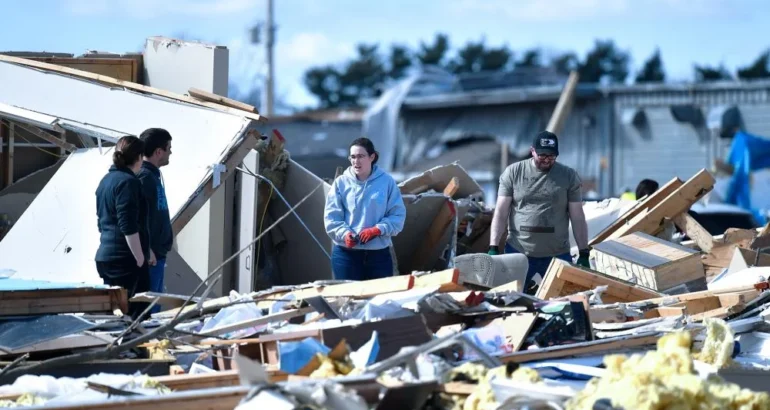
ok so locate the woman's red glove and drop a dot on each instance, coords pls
(350, 242)
(368, 234)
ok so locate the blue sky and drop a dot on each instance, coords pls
(311, 32)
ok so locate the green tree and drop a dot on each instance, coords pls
(566, 63)
(324, 83)
(531, 58)
(363, 75)
(652, 71)
(605, 62)
(756, 70)
(400, 61)
(705, 73)
(468, 58)
(434, 54)
(495, 59)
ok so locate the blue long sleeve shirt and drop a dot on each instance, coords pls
(353, 205)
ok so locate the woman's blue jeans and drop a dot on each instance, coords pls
(361, 264)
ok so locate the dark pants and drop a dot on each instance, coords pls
(127, 275)
(537, 264)
(157, 273)
(361, 264)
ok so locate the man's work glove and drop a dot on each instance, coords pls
(350, 240)
(493, 250)
(583, 258)
(368, 234)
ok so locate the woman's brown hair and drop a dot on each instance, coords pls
(128, 150)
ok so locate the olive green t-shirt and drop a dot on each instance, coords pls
(539, 221)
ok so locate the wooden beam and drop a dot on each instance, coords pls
(193, 206)
(58, 141)
(564, 105)
(229, 102)
(128, 85)
(695, 231)
(679, 201)
(642, 206)
(762, 240)
(436, 230)
(452, 187)
(9, 153)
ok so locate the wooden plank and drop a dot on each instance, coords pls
(564, 105)
(563, 278)
(119, 68)
(515, 286)
(762, 241)
(233, 160)
(441, 222)
(58, 141)
(695, 231)
(577, 349)
(200, 381)
(229, 102)
(9, 152)
(641, 206)
(447, 280)
(362, 289)
(452, 187)
(128, 85)
(679, 201)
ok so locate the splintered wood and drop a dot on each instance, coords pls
(564, 279)
(650, 220)
(649, 261)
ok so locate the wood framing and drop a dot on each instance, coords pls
(125, 69)
(59, 141)
(229, 102)
(648, 261)
(643, 205)
(679, 201)
(447, 280)
(128, 85)
(564, 105)
(695, 231)
(236, 156)
(53, 301)
(452, 187)
(564, 279)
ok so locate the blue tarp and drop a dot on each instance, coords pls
(748, 153)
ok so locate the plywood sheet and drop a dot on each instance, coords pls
(57, 237)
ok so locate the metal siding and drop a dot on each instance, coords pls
(756, 118)
(670, 149)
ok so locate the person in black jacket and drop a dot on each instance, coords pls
(124, 248)
(157, 150)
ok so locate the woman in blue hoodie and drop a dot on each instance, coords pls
(364, 210)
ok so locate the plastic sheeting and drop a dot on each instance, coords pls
(748, 153)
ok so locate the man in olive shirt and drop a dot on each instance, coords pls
(539, 197)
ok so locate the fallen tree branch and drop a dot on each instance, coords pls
(160, 332)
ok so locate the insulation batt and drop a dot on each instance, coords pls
(665, 378)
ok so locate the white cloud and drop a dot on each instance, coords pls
(571, 10)
(293, 57)
(149, 9)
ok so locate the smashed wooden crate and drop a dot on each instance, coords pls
(651, 262)
(564, 279)
(651, 214)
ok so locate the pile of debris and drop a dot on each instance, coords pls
(655, 325)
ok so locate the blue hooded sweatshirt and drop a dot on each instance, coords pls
(353, 205)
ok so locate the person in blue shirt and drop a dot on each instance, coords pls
(121, 210)
(364, 210)
(157, 151)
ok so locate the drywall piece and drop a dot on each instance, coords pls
(57, 237)
(300, 259)
(247, 223)
(119, 110)
(437, 179)
(15, 199)
(177, 65)
(421, 210)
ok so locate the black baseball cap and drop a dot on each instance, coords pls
(546, 143)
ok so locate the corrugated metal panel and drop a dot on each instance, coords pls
(665, 150)
(756, 118)
(702, 97)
